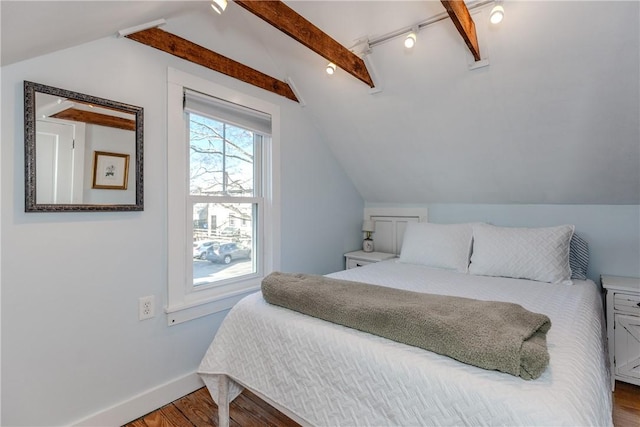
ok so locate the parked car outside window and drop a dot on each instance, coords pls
(230, 232)
(228, 252)
(200, 248)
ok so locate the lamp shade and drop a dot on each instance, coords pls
(369, 226)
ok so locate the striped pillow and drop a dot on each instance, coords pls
(578, 257)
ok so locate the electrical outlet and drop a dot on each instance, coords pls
(146, 307)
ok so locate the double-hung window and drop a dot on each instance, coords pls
(222, 212)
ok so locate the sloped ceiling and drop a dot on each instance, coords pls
(554, 118)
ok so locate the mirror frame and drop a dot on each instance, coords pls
(31, 205)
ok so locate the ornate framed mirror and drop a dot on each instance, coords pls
(82, 153)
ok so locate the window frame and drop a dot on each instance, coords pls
(184, 302)
(260, 139)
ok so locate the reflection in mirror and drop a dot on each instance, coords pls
(72, 142)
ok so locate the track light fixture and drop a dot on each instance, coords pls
(219, 5)
(410, 40)
(331, 68)
(497, 13)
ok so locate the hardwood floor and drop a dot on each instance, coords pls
(247, 410)
(197, 409)
(626, 405)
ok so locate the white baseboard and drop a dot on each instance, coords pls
(144, 403)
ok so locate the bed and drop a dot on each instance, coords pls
(324, 374)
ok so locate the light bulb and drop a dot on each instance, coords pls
(410, 41)
(497, 14)
(331, 68)
(219, 5)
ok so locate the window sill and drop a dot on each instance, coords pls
(184, 312)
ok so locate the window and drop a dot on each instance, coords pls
(223, 214)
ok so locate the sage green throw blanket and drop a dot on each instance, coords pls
(489, 334)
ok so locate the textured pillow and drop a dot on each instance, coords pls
(444, 246)
(578, 257)
(540, 254)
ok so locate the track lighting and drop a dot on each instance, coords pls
(410, 41)
(331, 68)
(497, 13)
(219, 5)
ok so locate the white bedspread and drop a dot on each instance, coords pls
(330, 375)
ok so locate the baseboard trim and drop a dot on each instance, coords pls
(144, 403)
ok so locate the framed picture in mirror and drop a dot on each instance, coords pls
(110, 170)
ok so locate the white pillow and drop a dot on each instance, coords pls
(444, 246)
(540, 254)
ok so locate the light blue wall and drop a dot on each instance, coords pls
(613, 231)
(322, 211)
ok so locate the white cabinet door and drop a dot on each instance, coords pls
(627, 343)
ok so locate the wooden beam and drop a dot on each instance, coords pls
(297, 27)
(461, 18)
(95, 118)
(197, 54)
(92, 105)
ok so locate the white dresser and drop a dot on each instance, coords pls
(623, 327)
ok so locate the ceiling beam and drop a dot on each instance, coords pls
(461, 18)
(297, 27)
(95, 118)
(197, 54)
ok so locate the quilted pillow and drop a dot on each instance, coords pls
(444, 246)
(540, 254)
(578, 257)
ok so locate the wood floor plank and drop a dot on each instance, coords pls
(627, 395)
(173, 415)
(265, 417)
(137, 423)
(199, 408)
(157, 419)
(626, 405)
(281, 419)
(242, 417)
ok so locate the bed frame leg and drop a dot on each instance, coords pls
(223, 401)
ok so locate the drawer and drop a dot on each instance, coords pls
(353, 263)
(627, 303)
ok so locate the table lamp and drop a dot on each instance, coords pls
(368, 227)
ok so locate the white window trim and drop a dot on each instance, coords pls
(182, 304)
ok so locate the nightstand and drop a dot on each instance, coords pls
(360, 258)
(623, 327)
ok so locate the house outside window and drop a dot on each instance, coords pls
(223, 196)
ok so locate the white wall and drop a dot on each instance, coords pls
(612, 231)
(72, 344)
(110, 140)
(554, 118)
(330, 219)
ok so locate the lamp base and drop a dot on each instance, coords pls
(367, 245)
